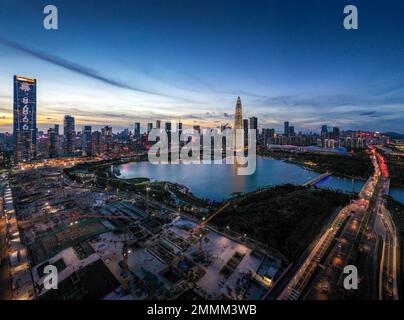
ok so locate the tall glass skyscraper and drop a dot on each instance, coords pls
(238, 124)
(254, 123)
(87, 140)
(69, 133)
(24, 111)
(286, 131)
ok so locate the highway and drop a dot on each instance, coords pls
(353, 237)
(5, 284)
(388, 289)
(385, 229)
(298, 283)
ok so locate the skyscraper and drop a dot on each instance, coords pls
(87, 141)
(106, 138)
(24, 118)
(96, 142)
(254, 123)
(238, 121)
(137, 130)
(245, 127)
(245, 124)
(268, 135)
(238, 118)
(69, 133)
(291, 130)
(168, 126)
(335, 133)
(52, 140)
(168, 131)
(149, 127)
(286, 128)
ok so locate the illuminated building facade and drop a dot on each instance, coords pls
(24, 111)
(238, 123)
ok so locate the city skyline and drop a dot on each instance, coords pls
(128, 70)
(202, 152)
(144, 124)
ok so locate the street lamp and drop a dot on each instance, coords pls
(147, 200)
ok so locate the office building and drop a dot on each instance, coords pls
(238, 123)
(106, 138)
(87, 142)
(69, 134)
(291, 130)
(24, 112)
(286, 128)
(52, 140)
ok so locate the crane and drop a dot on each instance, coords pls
(204, 222)
(196, 230)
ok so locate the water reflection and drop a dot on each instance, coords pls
(219, 181)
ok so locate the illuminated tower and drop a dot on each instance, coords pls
(25, 129)
(238, 122)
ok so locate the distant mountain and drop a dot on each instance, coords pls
(394, 135)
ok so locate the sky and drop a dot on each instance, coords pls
(118, 62)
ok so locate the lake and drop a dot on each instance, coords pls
(217, 182)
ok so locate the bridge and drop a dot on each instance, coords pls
(317, 179)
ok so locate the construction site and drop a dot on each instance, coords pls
(111, 245)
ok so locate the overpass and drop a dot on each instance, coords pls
(317, 179)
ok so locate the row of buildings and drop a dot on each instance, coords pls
(28, 143)
(330, 139)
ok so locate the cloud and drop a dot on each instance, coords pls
(367, 113)
(75, 67)
(372, 114)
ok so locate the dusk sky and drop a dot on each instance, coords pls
(117, 62)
